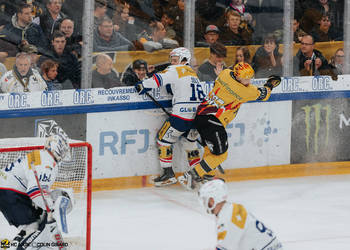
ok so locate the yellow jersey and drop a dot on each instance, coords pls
(227, 95)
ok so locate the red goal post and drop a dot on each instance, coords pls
(75, 174)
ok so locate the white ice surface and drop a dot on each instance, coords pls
(308, 213)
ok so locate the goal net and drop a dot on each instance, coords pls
(74, 174)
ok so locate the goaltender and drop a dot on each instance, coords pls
(231, 89)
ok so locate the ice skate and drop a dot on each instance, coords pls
(166, 179)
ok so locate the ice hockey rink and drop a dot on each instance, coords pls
(307, 213)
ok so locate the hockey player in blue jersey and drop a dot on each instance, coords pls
(21, 200)
(181, 81)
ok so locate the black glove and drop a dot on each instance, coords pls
(273, 81)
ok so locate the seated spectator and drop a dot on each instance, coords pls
(73, 42)
(106, 39)
(23, 30)
(69, 69)
(210, 69)
(337, 61)
(22, 78)
(234, 33)
(242, 55)
(49, 73)
(243, 10)
(104, 76)
(168, 19)
(325, 32)
(49, 20)
(157, 39)
(32, 51)
(124, 23)
(298, 33)
(211, 36)
(138, 71)
(267, 59)
(310, 62)
(100, 11)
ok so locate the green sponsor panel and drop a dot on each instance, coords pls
(320, 130)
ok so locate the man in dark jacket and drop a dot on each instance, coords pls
(49, 20)
(69, 66)
(137, 72)
(23, 30)
(106, 39)
(308, 61)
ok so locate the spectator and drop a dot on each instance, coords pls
(210, 69)
(49, 73)
(168, 19)
(310, 62)
(23, 30)
(242, 55)
(49, 21)
(298, 33)
(211, 36)
(104, 76)
(157, 39)
(337, 62)
(69, 70)
(32, 51)
(106, 39)
(267, 59)
(234, 33)
(325, 31)
(138, 71)
(73, 42)
(124, 23)
(243, 10)
(22, 78)
(100, 11)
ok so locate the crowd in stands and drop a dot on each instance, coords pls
(50, 33)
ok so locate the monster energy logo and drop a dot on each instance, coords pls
(316, 110)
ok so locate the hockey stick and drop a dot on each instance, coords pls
(58, 236)
(158, 104)
(167, 112)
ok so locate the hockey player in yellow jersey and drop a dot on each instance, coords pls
(237, 228)
(231, 89)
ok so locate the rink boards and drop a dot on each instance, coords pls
(302, 130)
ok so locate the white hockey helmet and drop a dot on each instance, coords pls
(216, 189)
(182, 53)
(58, 145)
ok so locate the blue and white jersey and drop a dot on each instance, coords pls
(238, 229)
(19, 177)
(182, 82)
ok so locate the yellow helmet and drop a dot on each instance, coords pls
(243, 70)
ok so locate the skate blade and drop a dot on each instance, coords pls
(168, 182)
(184, 182)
